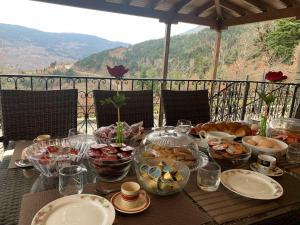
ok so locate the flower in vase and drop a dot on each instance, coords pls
(268, 98)
(117, 71)
(275, 76)
(117, 100)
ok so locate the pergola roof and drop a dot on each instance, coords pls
(214, 13)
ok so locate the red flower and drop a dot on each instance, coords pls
(275, 76)
(117, 71)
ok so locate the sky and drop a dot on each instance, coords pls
(111, 26)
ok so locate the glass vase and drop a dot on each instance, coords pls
(263, 126)
(119, 139)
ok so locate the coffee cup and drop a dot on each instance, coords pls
(266, 163)
(215, 135)
(43, 137)
(130, 194)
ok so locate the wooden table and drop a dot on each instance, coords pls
(14, 183)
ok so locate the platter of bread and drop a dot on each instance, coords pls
(234, 128)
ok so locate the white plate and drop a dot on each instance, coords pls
(251, 184)
(277, 172)
(82, 209)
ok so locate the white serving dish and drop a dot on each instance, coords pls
(262, 150)
(251, 184)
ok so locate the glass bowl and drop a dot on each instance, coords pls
(162, 176)
(49, 156)
(110, 162)
(229, 154)
(166, 142)
(285, 129)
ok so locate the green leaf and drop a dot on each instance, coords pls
(117, 101)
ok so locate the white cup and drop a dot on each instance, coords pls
(265, 163)
(43, 137)
(130, 193)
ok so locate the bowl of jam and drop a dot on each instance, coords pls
(110, 162)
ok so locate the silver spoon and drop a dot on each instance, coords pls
(102, 191)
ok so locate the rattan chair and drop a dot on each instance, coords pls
(27, 114)
(297, 115)
(139, 107)
(190, 105)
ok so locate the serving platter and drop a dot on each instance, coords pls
(76, 210)
(251, 184)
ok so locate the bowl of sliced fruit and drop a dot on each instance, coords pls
(49, 156)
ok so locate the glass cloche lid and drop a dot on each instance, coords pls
(168, 143)
(168, 136)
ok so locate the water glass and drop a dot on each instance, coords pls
(73, 132)
(184, 126)
(208, 177)
(293, 153)
(71, 180)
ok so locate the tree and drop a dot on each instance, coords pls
(283, 39)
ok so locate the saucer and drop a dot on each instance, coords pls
(144, 203)
(23, 163)
(273, 173)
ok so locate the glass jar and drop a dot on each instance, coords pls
(285, 129)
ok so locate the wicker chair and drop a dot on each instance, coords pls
(27, 114)
(139, 107)
(190, 105)
(297, 115)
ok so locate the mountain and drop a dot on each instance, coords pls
(247, 52)
(190, 53)
(26, 48)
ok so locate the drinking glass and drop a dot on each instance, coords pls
(71, 180)
(208, 176)
(184, 126)
(73, 132)
(293, 153)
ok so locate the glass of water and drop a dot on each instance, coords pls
(208, 177)
(71, 180)
(293, 153)
(184, 126)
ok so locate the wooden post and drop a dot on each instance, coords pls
(165, 68)
(216, 54)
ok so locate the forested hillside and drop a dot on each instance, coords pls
(247, 52)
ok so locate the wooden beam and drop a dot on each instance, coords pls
(126, 2)
(258, 4)
(216, 54)
(166, 50)
(237, 9)
(152, 4)
(271, 15)
(180, 5)
(165, 67)
(197, 11)
(165, 16)
(289, 3)
(218, 9)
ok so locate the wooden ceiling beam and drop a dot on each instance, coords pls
(259, 17)
(164, 16)
(126, 2)
(258, 4)
(218, 9)
(180, 5)
(237, 9)
(152, 4)
(197, 11)
(289, 3)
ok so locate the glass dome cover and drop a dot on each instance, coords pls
(168, 143)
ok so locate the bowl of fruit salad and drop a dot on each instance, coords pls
(49, 156)
(111, 162)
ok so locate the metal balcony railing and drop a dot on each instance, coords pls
(229, 100)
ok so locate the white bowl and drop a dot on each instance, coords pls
(262, 150)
